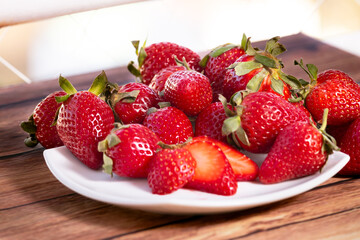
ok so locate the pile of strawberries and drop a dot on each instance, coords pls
(188, 122)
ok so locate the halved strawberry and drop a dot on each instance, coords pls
(244, 168)
(213, 172)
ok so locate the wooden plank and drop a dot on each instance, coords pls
(305, 208)
(25, 179)
(76, 217)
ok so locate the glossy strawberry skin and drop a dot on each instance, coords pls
(170, 124)
(216, 67)
(131, 157)
(161, 55)
(333, 74)
(158, 81)
(135, 112)
(84, 120)
(189, 91)
(350, 144)
(296, 153)
(170, 170)
(265, 114)
(342, 98)
(44, 115)
(234, 83)
(213, 172)
(209, 122)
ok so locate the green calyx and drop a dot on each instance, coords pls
(99, 84)
(141, 54)
(232, 124)
(110, 141)
(266, 61)
(30, 127)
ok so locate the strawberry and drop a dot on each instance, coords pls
(128, 150)
(170, 169)
(216, 62)
(213, 172)
(333, 74)
(299, 150)
(244, 168)
(170, 124)
(158, 81)
(188, 90)
(350, 144)
(40, 124)
(334, 90)
(257, 71)
(153, 58)
(258, 119)
(84, 119)
(210, 120)
(131, 102)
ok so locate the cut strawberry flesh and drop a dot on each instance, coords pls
(210, 160)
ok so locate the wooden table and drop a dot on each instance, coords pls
(34, 205)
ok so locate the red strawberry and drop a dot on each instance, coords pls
(257, 71)
(209, 122)
(158, 81)
(188, 90)
(216, 62)
(128, 150)
(350, 144)
(333, 90)
(260, 117)
(340, 97)
(299, 150)
(170, 169)
(170, 124)
(333, 74)
(132, 100)
(213, 172)
(244, 168)
(84, 119)
(157, 56)
(40, 124)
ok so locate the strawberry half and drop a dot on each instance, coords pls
(244, 168)
(170, 169)
(84, 119)
(40, 124)
(213, 172)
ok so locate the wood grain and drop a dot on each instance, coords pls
(34, 205)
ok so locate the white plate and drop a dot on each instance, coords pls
(135, 193)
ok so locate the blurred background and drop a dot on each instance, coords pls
(38, 44)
